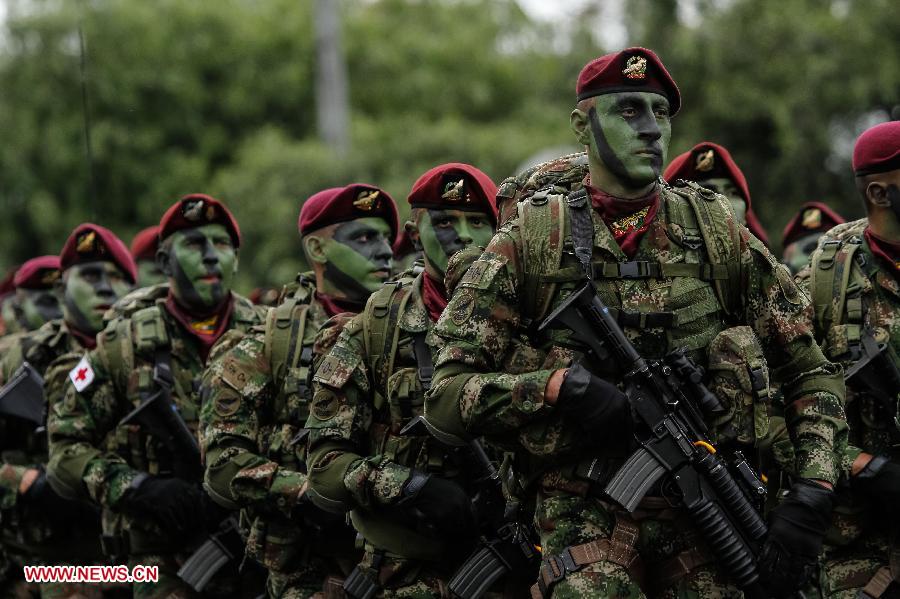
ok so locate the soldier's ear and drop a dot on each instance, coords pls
(412, 230)
(164, 260)
(876, 193)
(580, 124)
(314, 247)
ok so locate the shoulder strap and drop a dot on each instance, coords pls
(285, 330)
(542, 223)
(830, 279)
(381, 332)
(424, 360)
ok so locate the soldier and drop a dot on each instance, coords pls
(256, 397)
(36, 295)
(38, 525)
(712, 167)
(854, 282)
(150, 355)
(403, 492)
(143, 249)
(676, 270)
(802, 233)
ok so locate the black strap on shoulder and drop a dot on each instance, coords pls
(424, 360)
(162, 368)
(582, 229)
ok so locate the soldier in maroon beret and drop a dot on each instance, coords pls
(260, 386)
(711, 166)
(802, 233)
(37, 292)
(143, 250)
(96, 270)
(156, 344)
(854, 281)
(676, 270)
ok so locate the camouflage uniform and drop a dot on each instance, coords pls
(28, 535)
(695, 273)
(853, 296)
(365, 390)
(82, 463)
(255, 401)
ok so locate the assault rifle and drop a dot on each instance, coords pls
(508, 546)
(158, 415)
(668, 403)
(23, 396)
(876, 372)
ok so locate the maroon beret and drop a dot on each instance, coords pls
(196, 210)
(145, 244)
(38, 273)
(707, 160)
(632, 69)
(813, 217)
(877, 150)
(456, 186)
(340, 204)
(90, 243)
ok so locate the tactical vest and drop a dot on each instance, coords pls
(844, 288)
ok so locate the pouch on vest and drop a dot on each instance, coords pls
(739, 376)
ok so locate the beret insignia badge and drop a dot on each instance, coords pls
(193, 210)
(49, 277)
(635, 68)
(87, 243)
(367, 201)
(705, 161)
(455, 191)
(812, 218)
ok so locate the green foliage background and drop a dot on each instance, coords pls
(219, 97)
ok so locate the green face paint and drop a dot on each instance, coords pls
(443, 232)
(358, 257)
(200, 265)
(796, 255)
(727, 188)
(38, 306)
(90, 289)
(149, 273)
(630, 135)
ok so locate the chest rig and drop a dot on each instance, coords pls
(846, 296)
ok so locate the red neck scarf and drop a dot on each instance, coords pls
(205, 329)
(627, 219)
(434, 296)
(887, 251)
(86, 340)
(338, 305)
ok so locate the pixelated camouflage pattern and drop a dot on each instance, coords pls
(859, 542)
(90, 455)
(473, 395)
(250, 419)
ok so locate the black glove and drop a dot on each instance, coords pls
(441, 508)
(597, 406)
(59, 511)
(796, 529)
(880, 482)
(175, 504)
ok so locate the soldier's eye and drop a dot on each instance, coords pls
(629, 112)
(662, 112)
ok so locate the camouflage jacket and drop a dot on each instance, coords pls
(86, 463)
(364, 391)
(51, 350)
(255, 403)
(695, 273)
(853, 295)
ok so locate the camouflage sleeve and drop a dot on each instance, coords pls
(813, 387)
(11, 351)
(473, 394)
(77, 426)
(342, 474)
(236, 391)
(10, 479)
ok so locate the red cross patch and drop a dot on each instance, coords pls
(82, 375)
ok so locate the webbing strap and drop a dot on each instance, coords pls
(670, 571)
(424, 360)
(582, 229)
(640, 269)
(877, 585)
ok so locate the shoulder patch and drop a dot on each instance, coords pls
(232, 375)
(82, 375)
(482, 271)
(336, 369)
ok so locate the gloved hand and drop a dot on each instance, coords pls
(441, 507)
(796, 529)
(880, 482)
(596, 406)
(175, 504)
(59, 511)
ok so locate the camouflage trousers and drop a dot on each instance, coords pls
(664, 540)
(402, 578)
(317, 578)
(846, 570)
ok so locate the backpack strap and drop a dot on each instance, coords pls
(829, 284)
(283, 346)
(542, 223)
(381, 333)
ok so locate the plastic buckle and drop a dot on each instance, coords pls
(568, 561)
(630, 270)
